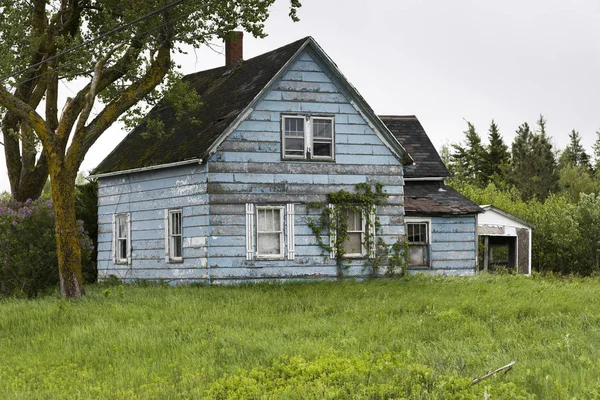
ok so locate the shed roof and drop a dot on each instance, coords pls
(410, 133)
(490, 208)
(435, 198)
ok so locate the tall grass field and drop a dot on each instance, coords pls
(417, 337)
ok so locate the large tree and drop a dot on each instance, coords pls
(497, 157)
(123, 50)
(574, 154)
(468, 159)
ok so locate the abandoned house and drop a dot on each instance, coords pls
(229, 199)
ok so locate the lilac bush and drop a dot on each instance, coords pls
(28, 262)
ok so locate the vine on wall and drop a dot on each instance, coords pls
(333, 222)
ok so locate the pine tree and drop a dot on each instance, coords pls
(521, 173)
(596, 148)
(574, 154)
(468, 160)
(545, 167)
(496, 156)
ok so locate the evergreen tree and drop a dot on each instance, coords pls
(521, 173)
(596, 148)
(574, 154)
(545, 166)
(468, 161)
(496, 157)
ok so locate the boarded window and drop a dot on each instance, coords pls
(418, 242)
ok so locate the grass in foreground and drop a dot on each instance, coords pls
(417, 338)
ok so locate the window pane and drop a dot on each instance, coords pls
(417, 233)
(176, 243)
(294, 127)
(353, 243)
(294, 147)
(269, 243)
(322, 149)
(322, 128)
(122, 249)
(354, 221)
(122, 223)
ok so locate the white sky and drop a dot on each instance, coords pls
(444, 61)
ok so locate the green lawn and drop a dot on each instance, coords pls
(417, 337)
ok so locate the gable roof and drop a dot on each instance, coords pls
(227, 96)
(435, 198)
(505, 214)
(410, 133)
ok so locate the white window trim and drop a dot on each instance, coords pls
(371, 230)
(279, 256)
(416, 220)
(308, 137)
(169, 258)
(116, 239)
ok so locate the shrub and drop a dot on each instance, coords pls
(28, 261)
(334, 377)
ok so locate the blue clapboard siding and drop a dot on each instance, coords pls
(146, 196)
(247, 168)
(453, 244)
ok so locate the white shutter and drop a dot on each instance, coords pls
(129, 238)
(167, 236)
(249, 231)
(371, 228)
(114, 238)
(291, 247)
(332, 234)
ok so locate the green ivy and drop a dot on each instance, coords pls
(334, 220)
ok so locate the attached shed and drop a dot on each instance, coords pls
(506, 240)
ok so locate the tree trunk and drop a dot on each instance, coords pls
(67, 242)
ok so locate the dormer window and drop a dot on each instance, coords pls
(307, 137)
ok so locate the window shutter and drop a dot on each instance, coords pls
(167, 236)
(114, 239)
(291, 246)
(249, 232)
(371, 228)
(129, 238)
(332, 235)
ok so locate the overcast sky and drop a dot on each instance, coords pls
(445, 62)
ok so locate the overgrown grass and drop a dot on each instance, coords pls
(163, 342)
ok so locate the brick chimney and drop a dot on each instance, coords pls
(234, 49)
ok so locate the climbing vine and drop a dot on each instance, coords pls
(333, 223)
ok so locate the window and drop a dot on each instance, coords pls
(121, 254)
(353, 245)
(175, 235)
(307, 138)
(358, 225)
(269, 232)
(418, 243)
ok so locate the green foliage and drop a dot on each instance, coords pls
(497, 159)
(574, 154)
(28, 263)
(86, 210)
(469, 160)
(333, 222)
(334, 377)
(134, 342)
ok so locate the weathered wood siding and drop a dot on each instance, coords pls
(453, 245)
(146, 196)
(247, 168)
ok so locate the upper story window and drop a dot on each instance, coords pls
(307, 137)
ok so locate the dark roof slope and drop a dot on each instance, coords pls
(435, 198)
(224, 94)
(410, 133)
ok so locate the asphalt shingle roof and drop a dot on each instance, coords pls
(435, 198)
(224, 92)
(410, 133)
